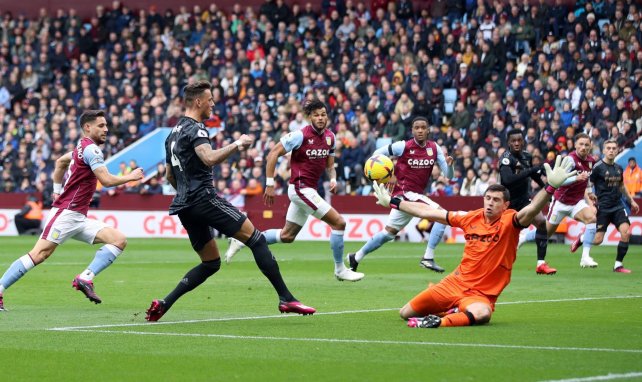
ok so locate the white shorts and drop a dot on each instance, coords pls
(63, 224)
(557, 211)
(399, 219)
(305, 202)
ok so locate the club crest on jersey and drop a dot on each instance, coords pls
(429, 151)
(310, 141)
(505, 161)
(328, 141)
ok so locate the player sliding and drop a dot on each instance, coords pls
(68, 217)
(190, 158)
(415, 160)
(312, 151)
(467, 296)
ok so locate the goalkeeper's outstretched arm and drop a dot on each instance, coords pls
(556, 177)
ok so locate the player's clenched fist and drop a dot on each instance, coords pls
(137, 174)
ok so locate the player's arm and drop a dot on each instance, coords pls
(213, 157)
(634, 206)
(392, 150)
(446, 164)
(332, 173)
(556, 178)
(169, 174)
(418, 209)
(507, 175)
(62, 164)
(270, 166)
(109, 180)
(93, 157)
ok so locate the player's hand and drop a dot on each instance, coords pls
(450, 160)
(268, 196)
(246, 141)
(382, 194)
(593, 198)
(333, 186)
(562, 171)
(137, 174)
(55, 196)
(634, 206)
(536, 170)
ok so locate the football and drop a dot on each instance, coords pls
(379, 168)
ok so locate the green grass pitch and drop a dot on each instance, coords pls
(581, 324)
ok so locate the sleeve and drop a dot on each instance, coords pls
(507, 175)
(292, 141)
(457, 218)
(199, 137)
(334, 145)
(394, 149)
(448, 171)
(516, 224)
(93, 157)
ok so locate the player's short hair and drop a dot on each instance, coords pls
(420, 118)
(580, 136)
(514, 132)
(194, 90)
(89, 116)
(312, 105)
(498, 188)
(610, 140)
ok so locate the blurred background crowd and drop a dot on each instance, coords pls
(475, 69)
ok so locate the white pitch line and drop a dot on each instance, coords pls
(70, 328)
(607, 377)
(357, 341)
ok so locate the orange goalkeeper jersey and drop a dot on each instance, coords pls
(490, 250)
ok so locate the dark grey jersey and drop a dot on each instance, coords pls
(193, 177)
(607, 180)
(516, 174)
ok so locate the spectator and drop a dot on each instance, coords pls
(29, 218)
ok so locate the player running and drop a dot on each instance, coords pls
(190, 158)
(516, 172)
(609, 187)
(416, 158)
(68, 216)
(575, 198)
(312, 151)
(468, 295)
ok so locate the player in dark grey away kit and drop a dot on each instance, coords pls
(189, 158)
(516, 170)
(607, 179)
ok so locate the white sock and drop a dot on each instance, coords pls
(617, 265)
(540, 262)
(87, 275)
(339, 267)
(429, 254)
(586, 252)
(1, 289)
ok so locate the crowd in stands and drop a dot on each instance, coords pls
(475, 69)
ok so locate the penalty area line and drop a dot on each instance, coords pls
(607, 377)
(359, 341)
(225, 319)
